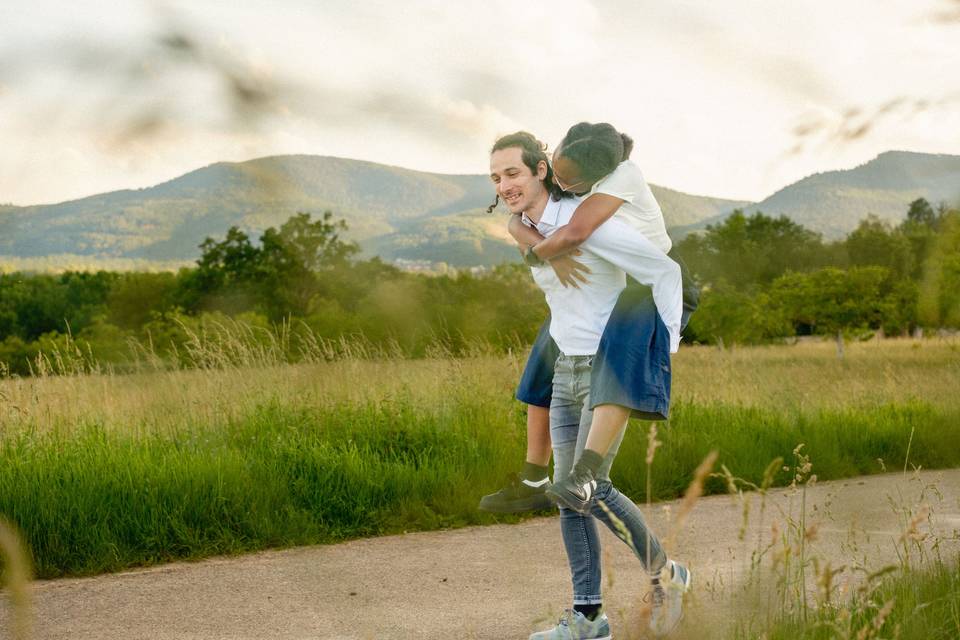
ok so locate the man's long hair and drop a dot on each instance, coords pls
(533, 152)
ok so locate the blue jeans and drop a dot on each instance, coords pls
(632, 368)
(570, 418)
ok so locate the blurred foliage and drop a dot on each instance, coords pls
(301, 288)
(765, 278)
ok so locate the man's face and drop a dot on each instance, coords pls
(519, 188)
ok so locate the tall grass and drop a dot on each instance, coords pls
(103, 471)
(917, 597)
(90, 500)
(912, 604)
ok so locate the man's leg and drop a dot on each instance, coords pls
(668, 580)
(569, 425)
(568, 428)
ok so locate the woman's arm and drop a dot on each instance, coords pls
(524, 235)
(592, 212)
(569, 271)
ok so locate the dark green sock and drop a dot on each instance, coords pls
(590, 460)
(534, 472)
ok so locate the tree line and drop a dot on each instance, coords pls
(762, 279)
(766, 278)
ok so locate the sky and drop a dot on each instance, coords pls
(731, 99)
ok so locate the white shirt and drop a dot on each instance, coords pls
(639, 209)
(578, 316)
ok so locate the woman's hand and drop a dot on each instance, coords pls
(570, 272)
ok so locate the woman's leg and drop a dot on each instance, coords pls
(538, 435)
(535, 389)
(527, 492)
(609, 421)
(631, 375)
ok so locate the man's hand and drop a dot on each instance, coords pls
(569, 271)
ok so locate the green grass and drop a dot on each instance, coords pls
(924, 604)
(89, 499)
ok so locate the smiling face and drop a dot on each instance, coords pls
(520, 188)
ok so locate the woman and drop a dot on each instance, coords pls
(578, 329)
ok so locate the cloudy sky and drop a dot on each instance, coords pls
(96, 96)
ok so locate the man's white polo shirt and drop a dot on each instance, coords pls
(578, 316)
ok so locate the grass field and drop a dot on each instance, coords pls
(910, 604)
(103, 472)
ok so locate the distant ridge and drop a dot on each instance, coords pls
(399, 213)
(834, 202)
(392, 211)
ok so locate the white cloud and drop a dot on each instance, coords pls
(710, 91)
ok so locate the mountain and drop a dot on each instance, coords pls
(391, 211)
(834, 202)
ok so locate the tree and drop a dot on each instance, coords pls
(921, 213)
(920, 229)
(305, 245)
(135, 296)
(728, 315)
(750, 251)
(831, 301)
(876, 243)
(278, 278)
(293, 256)
(939, 303)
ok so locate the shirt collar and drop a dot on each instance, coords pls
(551, 212)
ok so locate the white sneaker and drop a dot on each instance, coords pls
(668, 600)
(574, 625)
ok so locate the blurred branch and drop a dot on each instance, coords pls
(149, 85)
(857, 122)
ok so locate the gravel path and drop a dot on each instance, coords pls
(499, 581)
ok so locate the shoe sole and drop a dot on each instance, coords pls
(606, 637)
(570, 501)
(533, 503)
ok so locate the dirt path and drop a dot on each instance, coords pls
(482, 582)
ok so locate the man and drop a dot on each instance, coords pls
(520, 172)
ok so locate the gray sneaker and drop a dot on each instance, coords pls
(576, 491)
(668, 600)
(574, 625)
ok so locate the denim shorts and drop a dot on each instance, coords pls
(632, 363)
(631, 367)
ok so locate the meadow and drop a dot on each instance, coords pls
(102, 472)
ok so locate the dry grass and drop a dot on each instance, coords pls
(156, 400)
(809, 375)
(798, 377)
